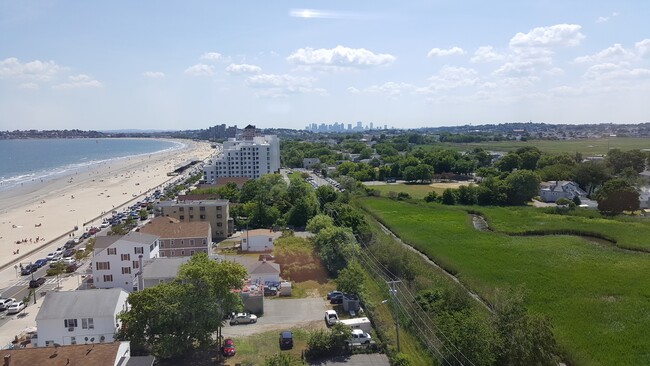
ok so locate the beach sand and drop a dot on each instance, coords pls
(54, 208)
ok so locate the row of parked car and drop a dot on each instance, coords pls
(11, 305)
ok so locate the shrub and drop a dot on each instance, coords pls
(431, 197)
(403, 196)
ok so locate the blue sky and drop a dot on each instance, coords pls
(193, 64)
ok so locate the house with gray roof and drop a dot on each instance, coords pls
(553, 190)
(78, 317)
(117, 261)
(160, 270)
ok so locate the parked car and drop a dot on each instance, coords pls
(68, 253)
(286, 340)
(85, 235)
(28, 269)
(266, 257)
(59, 251)
(333, 293)
(105, 224)
(336, 299)
(52, 256)
(228, 348)
(68, 260)
(5, 303)
(72, 267)
(69, 244)
(331, 317)
(243, 318)
(270, 291)
(40, 263)
(37, 282)
(55, 262)
(359, 336)
(15, 307)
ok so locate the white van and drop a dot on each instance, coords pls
(359, 336)
(358, 323)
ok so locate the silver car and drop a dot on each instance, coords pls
(243, 318)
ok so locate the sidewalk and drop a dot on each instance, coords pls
(18, 323)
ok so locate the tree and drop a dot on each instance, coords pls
(616, 196)
(467, 195)
(509, 162)
(529, 156)
(618, 160)
(169, 319)
(335, 245)
(591, 175)
(431, 196)
(325, 194)
(318, 223)
(522, 185)
(350, 278)
(229, 192)
(470, 336)
(449, 197)
(304, 201)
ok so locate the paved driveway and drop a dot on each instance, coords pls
(282, 314)
(375, 359)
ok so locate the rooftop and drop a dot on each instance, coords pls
(82, 303)
(171, 228)
(98, 354)
(163, 267)
(264, 232)
(104, 242)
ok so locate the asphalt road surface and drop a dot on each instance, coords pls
(282, 314)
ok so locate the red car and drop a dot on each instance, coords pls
(228, 348)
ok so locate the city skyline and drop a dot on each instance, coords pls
(107, 66)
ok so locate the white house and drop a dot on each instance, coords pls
(258, 240)
(265, 272)
(553, 190)
(77, 317)
(116, 260)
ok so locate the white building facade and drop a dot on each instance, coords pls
(78, 317)
(249, 156)
(116, 261)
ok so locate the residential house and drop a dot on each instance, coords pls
(103, 354)
(160, 270)
(258, 240)
(551, 191)
(116, 260)
(215, 212)
(258, 271)
(179, 239)
(82, 316)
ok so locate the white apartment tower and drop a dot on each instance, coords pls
(249, 156)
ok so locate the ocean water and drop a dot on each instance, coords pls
(24, 161)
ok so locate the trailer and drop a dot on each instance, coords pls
(358, 323)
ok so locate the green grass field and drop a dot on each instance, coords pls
(586, 147)
(418, 191)
(595, 295)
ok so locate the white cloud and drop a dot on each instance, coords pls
(28, 86)
(486, 54)
(79, 81)
(34, 70)
(448, 52)
(211, 56)
(154, 74)
(243, 69)
(450, 77)
(200, 70)
(353, 90)
(566, 91)
(275, 85)
(566, 35)
(555, 71)
(339, 58)
(643, 47)
(392, 89)
(619, 71)
(604, 19)
(615, 52)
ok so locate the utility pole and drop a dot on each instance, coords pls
(393, 295)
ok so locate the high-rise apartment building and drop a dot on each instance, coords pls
(251, 155)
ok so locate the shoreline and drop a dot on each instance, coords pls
(50, 210)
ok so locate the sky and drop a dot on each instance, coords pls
(100, 65)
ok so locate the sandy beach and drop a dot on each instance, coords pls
(34, 215)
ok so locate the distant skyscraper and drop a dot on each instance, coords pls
(349, 126)
(371, 125)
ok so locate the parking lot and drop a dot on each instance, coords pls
(283, 313)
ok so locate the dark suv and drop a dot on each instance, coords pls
(37, 282)
(286, 340)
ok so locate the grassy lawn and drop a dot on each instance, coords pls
(254, 349)
(595, 295)
(418, 191)
(586, 147)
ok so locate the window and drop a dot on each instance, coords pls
(136, 264)
(87, 323)
(182, 252)
(125, 257)
(73, 340)
(126, 270)
(203, 240)
(111, 251)
(219, 224)
(191, 242)
(218, 208)
(181, 209)
(138, 250)
(191, 217)
(182, 242)
(103, 265)
(191, 208)
(172, 253)
(182, 217)
(172, 242)
(202, 217)
(202, 208)
(70, 323)
(218, 216)
(108, 278)
(191, 252)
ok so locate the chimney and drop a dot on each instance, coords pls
(7, 360)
